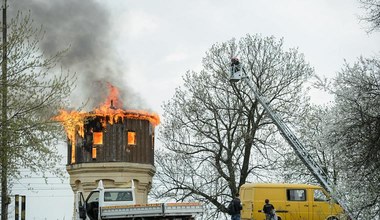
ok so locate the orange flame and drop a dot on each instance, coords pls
(110, 111)
(113, 98)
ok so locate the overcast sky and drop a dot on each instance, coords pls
(153, 43)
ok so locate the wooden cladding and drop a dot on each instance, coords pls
(129, 140)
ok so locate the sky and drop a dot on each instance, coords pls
(146, 46)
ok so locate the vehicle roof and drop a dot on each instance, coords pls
(279, 185)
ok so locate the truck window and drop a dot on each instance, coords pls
(296, 194)
(320, 196)
(92, 205)
(118, 196)
(93, 197)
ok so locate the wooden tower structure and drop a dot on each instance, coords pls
(116, 148)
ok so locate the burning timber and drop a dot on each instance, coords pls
(109, 134)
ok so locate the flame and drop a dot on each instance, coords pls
(112, 99)
(109, 112)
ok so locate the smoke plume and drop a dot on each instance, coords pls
(84, 27)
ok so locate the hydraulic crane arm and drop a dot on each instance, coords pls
(316, 170)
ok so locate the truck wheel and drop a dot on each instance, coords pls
(332, 218)
(278, 218)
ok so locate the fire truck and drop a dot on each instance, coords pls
(238, 73)
(120, 203)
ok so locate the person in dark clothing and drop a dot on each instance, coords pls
(235, 64)
(235, 208)
(235, 61)
(268, 209)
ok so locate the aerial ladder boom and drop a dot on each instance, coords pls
(236, 74)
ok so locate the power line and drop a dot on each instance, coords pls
(40, 183)
(48, 196)
(40, 189)
(47, 177)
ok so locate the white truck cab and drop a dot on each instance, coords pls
(104, 203)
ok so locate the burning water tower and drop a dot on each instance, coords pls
(112, 145)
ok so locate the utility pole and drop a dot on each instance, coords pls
(4, 120)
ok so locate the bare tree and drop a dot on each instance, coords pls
(32, 92)
(372, 16)
(216, 136)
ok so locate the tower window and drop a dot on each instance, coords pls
(93, 153)
(97, 137)
(131, 138)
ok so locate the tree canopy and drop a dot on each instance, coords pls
(33, 91)
(357, 132)
(216, 136)
(344, 136)
(372, 13)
